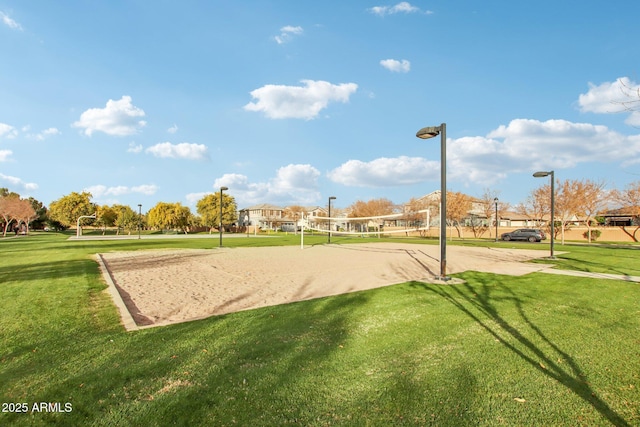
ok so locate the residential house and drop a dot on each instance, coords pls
(264, 215)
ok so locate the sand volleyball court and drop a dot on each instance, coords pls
(161, 287)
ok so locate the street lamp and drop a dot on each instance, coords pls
(330, 199)
(495, 200)
(220, 225)
(542, 174)
(139, 219)
(426, 133)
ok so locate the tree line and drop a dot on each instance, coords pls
(584, 199)
(575, 200)
(66, 211)
(162, 216)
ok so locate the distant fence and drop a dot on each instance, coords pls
(608, 234)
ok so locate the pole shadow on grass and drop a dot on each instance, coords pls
(573, 378)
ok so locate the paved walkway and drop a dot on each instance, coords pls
(589, 274)
(213, 236)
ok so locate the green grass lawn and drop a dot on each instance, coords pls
(498, 350)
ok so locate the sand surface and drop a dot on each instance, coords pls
(168, 286)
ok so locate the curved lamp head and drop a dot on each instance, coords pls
(429, 132)
(332, 198)
(223, 188)
(541, 174)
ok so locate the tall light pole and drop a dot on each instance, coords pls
(220, 224)
(542, 174)
(495, 200)
(139, 219)
(330, 199)
(426, 133)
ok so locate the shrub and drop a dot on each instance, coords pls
(594, 234)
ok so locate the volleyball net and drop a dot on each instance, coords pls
(359, 226)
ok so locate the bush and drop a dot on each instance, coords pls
(594, 234)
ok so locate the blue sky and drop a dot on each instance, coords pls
(290, 102)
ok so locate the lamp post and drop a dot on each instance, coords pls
(495, 200)
(330, 199)
(542, 174)
(426, 133)
(139, 219)
(220, 224)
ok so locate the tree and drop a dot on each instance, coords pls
(41, 213)
(9, 210)
(568, 200)
(106, 217)
(295, 213)
(4, 192)
(372, 208)
(489, 207)
(458, 207)
(412, 210)
(126, 218)
(13, 208)
(69, 208)
(184, 218)
(165, 216)
(25, 213)
(161, 216)
(209, 210)
(594, 199)
(537, 205)
(629, 199)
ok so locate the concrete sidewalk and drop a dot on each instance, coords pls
(591, 275)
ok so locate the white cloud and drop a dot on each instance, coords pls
(184, 150)
(44, 134)
(4, 155)
(396, 66)
(385, 172)
(287, 33)
(101, 191)
(146, 189)
(6, 20)
(192, 198)
(7, 131)
(18, 183)
(50, 131)
(402, 7)
(522, 146)
(634, 118)
(118, 118)
(613, 97)
(173, 129)
(134, 148)
(298, 102)
(526, 145)
(293, 178)
(293, 184)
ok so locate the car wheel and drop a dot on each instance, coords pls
(532, 239)
(506, 238)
